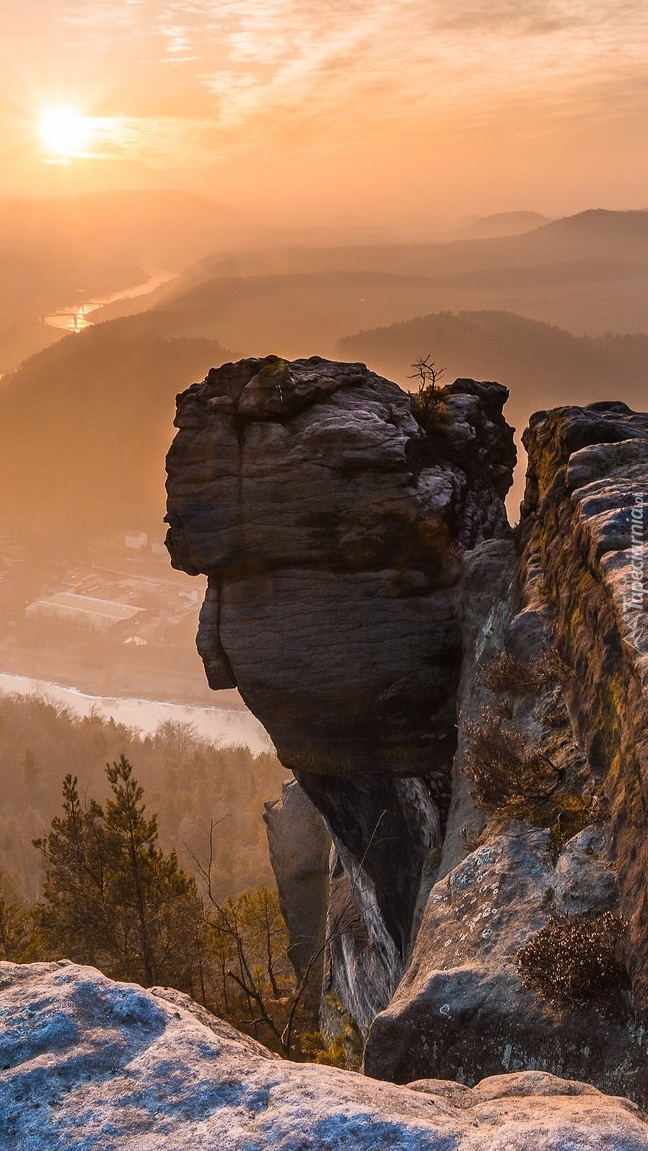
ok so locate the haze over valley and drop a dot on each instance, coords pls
(559, 313)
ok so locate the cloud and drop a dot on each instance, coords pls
(231, 74)
(418, 54)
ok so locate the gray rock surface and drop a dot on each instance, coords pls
(461, 1010)
(585, 527)
(91, 1065)
(488, 577)
(300, 846)
(413, 601)
(383, 828)
(330, 526)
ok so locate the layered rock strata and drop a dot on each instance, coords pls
(423, 631)
(331, 527)
(555, 647)
(585, 525)
(92, 1065)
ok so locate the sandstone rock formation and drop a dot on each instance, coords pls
(92, 1065)
(568, 585)
(331, 527)
(586, 530)
(461, 1008)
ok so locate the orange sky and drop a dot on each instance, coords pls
(385, 109)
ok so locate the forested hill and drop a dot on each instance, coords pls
(84, 428)
(542, 365)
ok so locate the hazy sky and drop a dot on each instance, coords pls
(412, 107)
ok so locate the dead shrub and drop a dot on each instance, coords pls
(506, 673)
(576, 959)
(503, 770)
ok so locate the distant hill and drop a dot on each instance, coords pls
(157, 230)
(84, 429)
(598, 232)
(585, 273)
(85, 424)
(295, 314)
(543, 366)
(592, 235)
(500, 224)
(581, 273)
(61, 251)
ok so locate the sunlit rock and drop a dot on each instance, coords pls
(555, 651)
(87, 1064)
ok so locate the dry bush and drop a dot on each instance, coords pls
(576, 959)
(503, 770)
(506, 673)
(471, 838)
(428, 405)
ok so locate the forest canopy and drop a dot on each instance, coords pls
(188, 782)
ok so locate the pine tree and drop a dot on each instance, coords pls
(111, 896)
(160, 912)
(132, 840)
(75, 916)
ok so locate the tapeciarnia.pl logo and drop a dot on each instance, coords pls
(633, 604)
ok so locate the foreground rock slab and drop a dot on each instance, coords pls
(92, 1065)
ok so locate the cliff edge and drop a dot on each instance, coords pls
(92, 1065)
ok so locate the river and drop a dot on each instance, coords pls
(221, 726)
(74, 317)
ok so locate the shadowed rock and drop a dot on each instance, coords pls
(299, 847)
(331, 528)
(365, 595)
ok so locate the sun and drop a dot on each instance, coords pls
(64, 132)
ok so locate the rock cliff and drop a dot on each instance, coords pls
(465, 708)
(585, 523)
(555, 652)
(331, 523)
(91, 1065)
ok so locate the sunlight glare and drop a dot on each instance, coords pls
(64, 132)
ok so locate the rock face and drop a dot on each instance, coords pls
(91, 1065)
(299, 853)
(569, 585)
(331, 527)
(462, 1006)
(586, 531)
